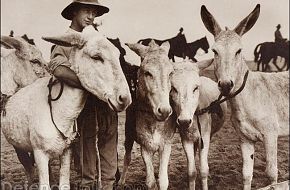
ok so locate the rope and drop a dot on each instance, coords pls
(51, 83)
(216, 104)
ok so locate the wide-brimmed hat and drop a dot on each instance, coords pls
(67, 12)
(278, 26)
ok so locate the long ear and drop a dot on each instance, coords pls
(165, 46)
(204, 64)
(140, 49)
(248, 22)
(209, 21)
(68, 40)
(12, 43)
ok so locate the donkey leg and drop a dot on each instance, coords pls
(127, 158)
(41, 160)
(248, 150)
(28, 164)
(204, 169)
(150, 178)
(64, 173)
(164, 155)
(130, 127)
(270, 143)
(191, 168)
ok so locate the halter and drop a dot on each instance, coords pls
(75, 134)
(215, 105)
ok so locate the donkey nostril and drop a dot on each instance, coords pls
(178, 121)
(159, 111)
(232, 84)
(219, 84)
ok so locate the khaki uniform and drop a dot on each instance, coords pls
(95, 115)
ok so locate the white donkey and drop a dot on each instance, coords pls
(21, 66)
(28, 123)
(261, 111)
(191, 92)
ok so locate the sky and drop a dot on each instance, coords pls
(131, 20)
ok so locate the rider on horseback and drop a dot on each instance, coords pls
(279, 40)
(278, 35)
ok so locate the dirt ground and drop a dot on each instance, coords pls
(225, 162)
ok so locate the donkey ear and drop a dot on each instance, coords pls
(165, 46)
(139, 49)
(68, 40)
(209, 21)
(12, 43)
(204, 64)
(248, 22)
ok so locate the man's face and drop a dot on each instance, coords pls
(85, 15)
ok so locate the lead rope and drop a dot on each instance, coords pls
(215, 104)
(50, 84)
(99, 182)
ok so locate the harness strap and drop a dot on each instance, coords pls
(51, 83)
(216, 104)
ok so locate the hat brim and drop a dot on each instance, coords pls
(67, 12)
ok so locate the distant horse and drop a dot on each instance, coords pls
(191, 48)
(179, 47)
(266, 51)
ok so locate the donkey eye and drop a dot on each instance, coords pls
(35, 61)
(148, 74)
(98, 58)
(195, 89)
(238, 52)
(215, 52)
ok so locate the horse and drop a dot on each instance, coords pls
(192, 47)
(259, 101)
(179, 46)
(265, 52)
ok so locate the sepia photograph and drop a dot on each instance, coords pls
(144, 94)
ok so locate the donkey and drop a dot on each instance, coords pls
(187, 97)
(32, 125)
(155, 126)
(22, 66)
(260, 112)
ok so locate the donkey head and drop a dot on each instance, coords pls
(95, 60)
(228, 65)
(154, 77)
(22, 66)
(185, 83)
(24, 50)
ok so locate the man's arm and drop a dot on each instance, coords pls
(66, 75)
(60, 67)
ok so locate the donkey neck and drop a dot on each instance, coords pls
(67, 108)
